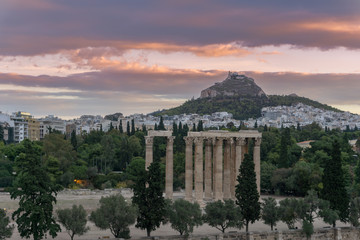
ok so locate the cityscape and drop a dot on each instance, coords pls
(21, 125)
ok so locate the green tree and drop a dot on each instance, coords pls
(287, 209)
(222, 215)
(135, 169)
(132, 127)
(200, 126)
(74, 220)
(184, 216)
(128, 128)
(121, 127)
(161, 124)
(148, 196)
(285, 142)
(114, 214)
(1, 133)
(355, 212)
(111, 127)
(334, 185)
(5, 229)
(247, 196)
(270, 212)
(36, 193)
(73, 139)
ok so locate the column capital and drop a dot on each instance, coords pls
(189, 140)
(230, 140)
(170, 139)
(209, 141)
(240, 141)
(198, 140)
(257, 141)
(149, 140)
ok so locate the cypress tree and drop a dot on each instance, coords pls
(194, 127)
(334, 184)
(200, 126)
(175, 130)
(144, 129)
(128, 128)
(132, 126)
(256, 124)
(156, 127)
(247, 196)
(265, 128)
(1, 133)
(298, 127)
(285, 142)
(161, 124)
(121, 127)
(73, 139)
(180, 129)
(111, 126)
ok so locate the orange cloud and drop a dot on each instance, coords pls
(331, 25)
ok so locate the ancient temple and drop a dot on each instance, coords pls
(224, 152)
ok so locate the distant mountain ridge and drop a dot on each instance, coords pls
(238, 95)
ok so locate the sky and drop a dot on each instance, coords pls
(68, 58)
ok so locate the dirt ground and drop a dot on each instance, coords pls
(90, 201)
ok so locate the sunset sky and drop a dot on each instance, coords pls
(74, 57)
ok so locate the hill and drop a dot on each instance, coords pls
(238, 95)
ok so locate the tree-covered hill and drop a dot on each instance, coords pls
(243, 107)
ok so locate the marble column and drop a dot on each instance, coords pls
(213, 141)
(239, 148)
(169, 170)
(199, 170)
(188, 168)
(226, 184)
(208, 170)
(257, 161)
(149, 151)
(233, 175)
(218, 191)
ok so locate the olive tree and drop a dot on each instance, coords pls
(74, 220)
(115, 214)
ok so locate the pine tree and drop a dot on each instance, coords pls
(121, 127)
(334, 184)
(132, 127)
(37, 194)
(150, 200)
(73, 139)
(128, 128)
(247, 196)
